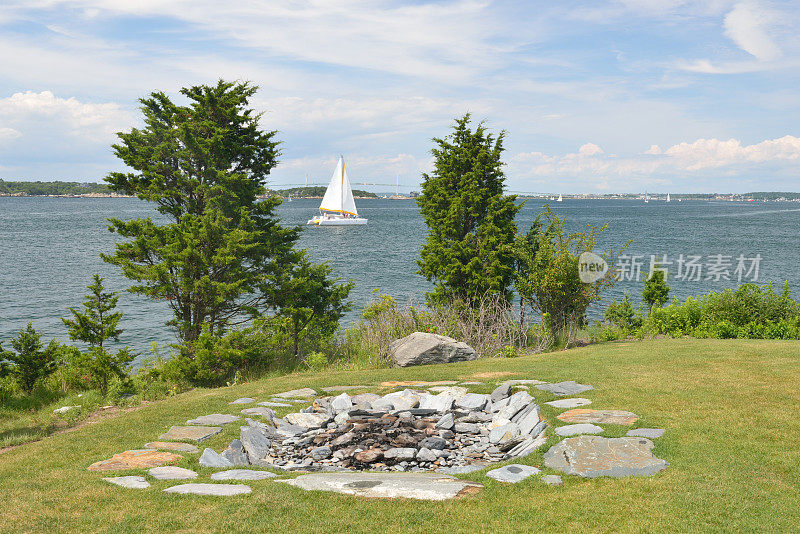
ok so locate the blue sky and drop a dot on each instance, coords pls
(625, 96)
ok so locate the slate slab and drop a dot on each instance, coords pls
(454, 391)
(171, 472)
(243, 400)
(512, 473)
(302, 392)
(307, 420)
(580, 428)
(135, 459)
(562, 389)
(131, 482)
(552, 480)
(190, 433)
(574, 402)
(586, 415)
(242, 474)
(172, 446)
(221, 490)
(441, 402)
(274, 404)
(472, 401)
(596, 456)
(650, 433)
(213, 419)
(255, 443)
(421, 486)
(261, 410)
(460, 469)
(331, 389)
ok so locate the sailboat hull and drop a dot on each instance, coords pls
(325, 220)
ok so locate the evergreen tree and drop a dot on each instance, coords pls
(525, 248)
(656, 290)
(469, 251)
(94, 326)
(29, 362)
(203, 165)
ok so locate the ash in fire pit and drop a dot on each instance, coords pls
(408, 430)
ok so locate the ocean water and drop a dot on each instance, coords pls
(49, 249)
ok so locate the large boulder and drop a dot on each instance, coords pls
(421, 348)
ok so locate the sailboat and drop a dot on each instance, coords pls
(560, 199)
(338, 208)
(646, 198)
(668, 200)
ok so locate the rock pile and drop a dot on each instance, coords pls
(408, 430)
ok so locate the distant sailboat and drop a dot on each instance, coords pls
(668, 199)
(646, 198)
(289, 198)
(560, 199)
(338, 208)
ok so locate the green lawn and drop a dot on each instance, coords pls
(733, 441)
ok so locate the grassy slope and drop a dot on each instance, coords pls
(733, 442)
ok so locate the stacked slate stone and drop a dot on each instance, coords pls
(407, 430)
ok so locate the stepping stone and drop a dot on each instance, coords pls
(460, 469)
(210, 458)
(522, 382)
(454, 391)
(190, 433)
(213, 419)
(131, 482)
(222, 490)
(552, 480)
(422, 486)
(650, 433)
(171, 472)
(261, 410)
(273, 404)
(569, 403)
(172, 446)
(136, 459)
(585, 415)
(581, 428)
(562, 389)
(243, 400)
(242, 474)
(331, 389)
(512, 473)
(303, 392)
(596, 456)
(296, 401)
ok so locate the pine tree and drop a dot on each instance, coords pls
(469, 251)
(29, 362)
(656, 290)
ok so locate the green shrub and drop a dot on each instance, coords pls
(656, 290)
(750, 303)
(30, 361)
(622, 314)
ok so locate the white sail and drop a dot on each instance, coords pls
(668, 199)
(560, 199)
(339, 197)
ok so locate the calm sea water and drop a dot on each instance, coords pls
(49, 249)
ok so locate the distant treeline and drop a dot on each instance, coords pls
(317, 191)
(52, 188)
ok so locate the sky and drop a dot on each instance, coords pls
(594, 97)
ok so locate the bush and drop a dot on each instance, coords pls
(656, 290)
(750, 303)
(30, 362)
(622, 314)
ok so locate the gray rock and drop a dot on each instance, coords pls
(382, 405)
(552, 480)
(423, 486)
(342, 403)
(307, 420)
(529, 420)
(512, 473)
(263, 411)
(472, 401)
(210, 458)
(171, 446)
(460, 469)
(221, 490)
(320, 453)
(303, 392)
(171, 472)
(569, 403)
(504, 433)
(190, 433)
(426, 455)
(526, 446)
(235, 453)
(446, 422)
(580, 428)
(243, 400)
(274, 404)
(454, 391)
(434, 443)
(421, 348)
(466, 428)
(501, 392)
(595, 456)
(651, 433)
(254, 443)
(441, 403)
(288, 430)
(523, 382)
(516, 402)
(213, 419)
(562, 389)
(364, 398)
(331, 389)
(130, 482)
(400, 453)
(341, 418)
(242, 474)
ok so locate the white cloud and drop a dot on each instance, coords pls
(707, 153)
(8, 133)
(749, 26)
(590, 149)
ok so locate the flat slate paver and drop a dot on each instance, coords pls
(135, 459)
(524, 382)
(172, 446)
(261, 410)
(574, 402)
(596, 456)
(331, 389)
(460, 469)
(221, 490)
(562, 389)
(243, 400)
(650, 433)
(552, 480)
(242, 474)
(512, 473)
(585, 415)
(580, 428)
(171, 472)
(284, 401)
(302, 392)
(213, 419)
(422, 486)
(131, 482)
(190, 433)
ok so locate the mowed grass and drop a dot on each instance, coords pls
(733, 443)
